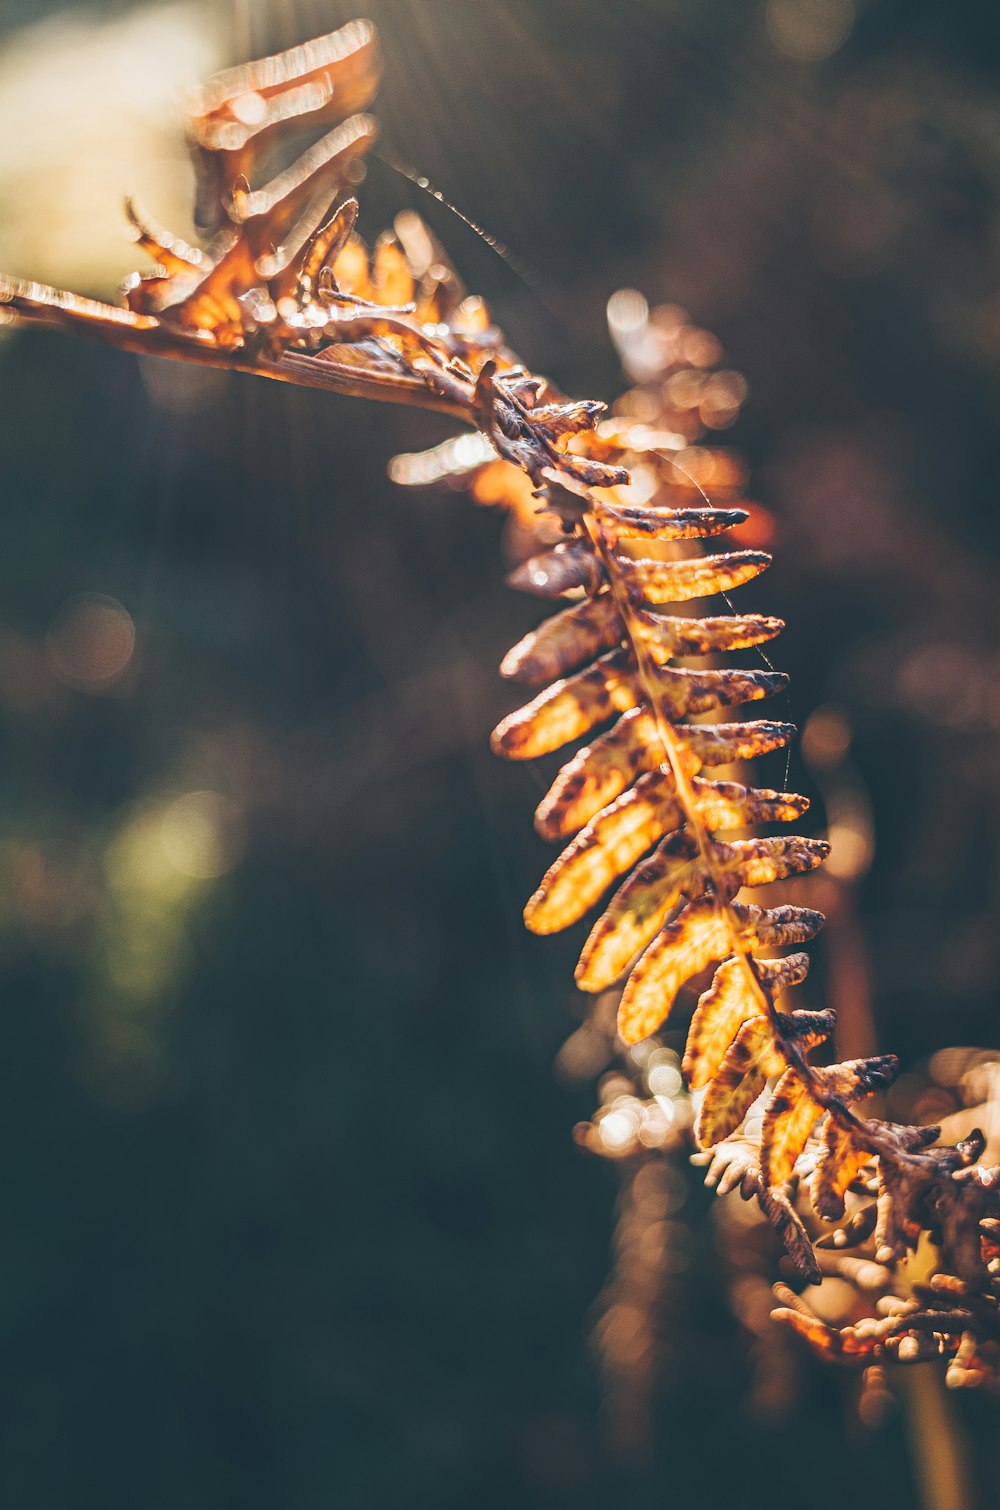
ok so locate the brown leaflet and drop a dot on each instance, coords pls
(665, 635)
(602, 851)
(638, 910)
(741, 1077)
(789, 1118)
(728, 804)
(854, 1078)
(726, 1005)
(685, 947)
(565, 641)
(621, 521)
(641, 905)
(774, 927)
(604, 768)
(719, 744)
(695, 939)
(568, 709)
(232, 118)
(650, 581)
(693, 692)
(599, 773)
(265, 217)
(785, 1220)
(568, 567)
(773, 858)
(833, 1345)
(841, 1160)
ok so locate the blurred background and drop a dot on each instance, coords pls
(292, 1215)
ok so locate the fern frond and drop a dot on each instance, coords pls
(285, 288)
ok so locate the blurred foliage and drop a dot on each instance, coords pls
(292, 1213)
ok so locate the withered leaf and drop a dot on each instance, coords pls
(568, 567)
(265, 217)
(726, 1005)
(692, 692)
(786, 1221)
(719, 744)
(841, 1159)
(667, 635)
(623, 521)
(334, 74)
(789, 1118)
(602, 851)
(599, 773)
(760, 861)
(774, 927)
(701, 934)
(565, 641)
(741, 1077)
(638, 910)
(642, 904)
(835, 1346)
(727, 804)
(653, 581)
(569, 708)
(685, 947)
(853, 1078)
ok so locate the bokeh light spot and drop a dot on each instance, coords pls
(91, 642)
(809, 30)
(202, 835)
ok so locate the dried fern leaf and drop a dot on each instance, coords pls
(726, 1005)
(565, 641)
(741, 1078)
(569, 567)
(665, 636)
(631, 521)
(688, 693)
(650, 581)
(720, 744)
(774, 927)
(602, 851)
(834, 1345)
(638, 910)
(789, 1226)
(841, 1160)
(569, 708)
(726, 804)
(698, 937)
(603, 769)
(853, 1078)
(599, 773)
(642, 904)
(789, 1118)
(760, 861)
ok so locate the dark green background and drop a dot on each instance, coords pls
(332, 1246)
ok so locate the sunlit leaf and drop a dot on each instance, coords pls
(602, 851)
(638, 910)
(789, 1118)
(565, 641)
(699, 936)
(622, 521)
(653, 581)
(569, 708)
(692, 692)
(666, 635)
(599, 773)
(740, 1079)
(841, 1160)
(726, 1005)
